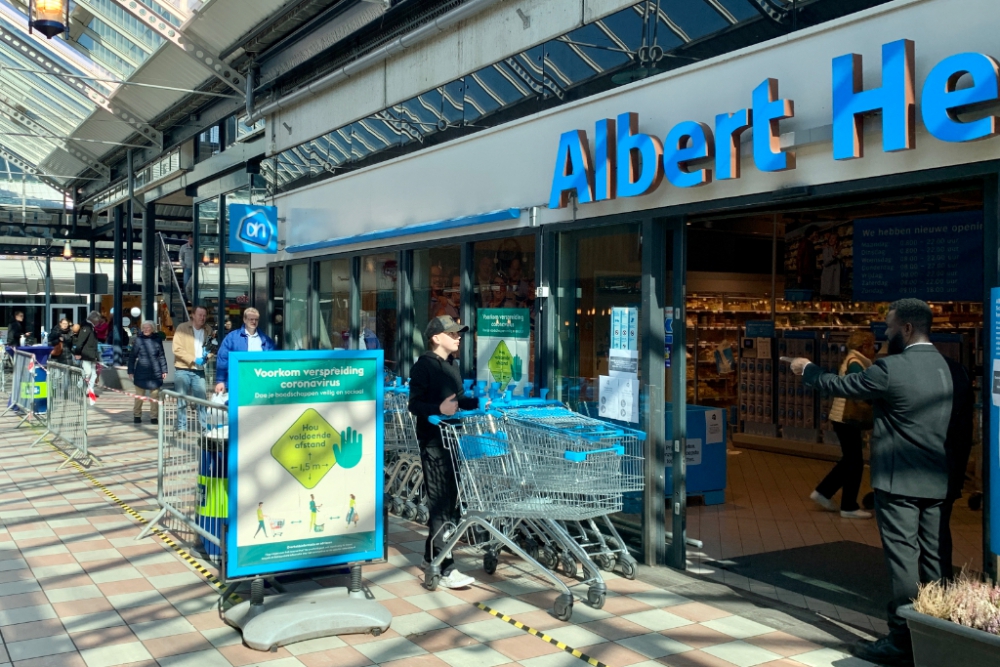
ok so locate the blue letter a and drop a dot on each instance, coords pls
(573, 172)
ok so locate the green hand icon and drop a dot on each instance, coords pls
(350, 448)
(516, 368)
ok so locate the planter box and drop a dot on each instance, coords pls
(937, 642)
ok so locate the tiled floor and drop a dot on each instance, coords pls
(77, 590)
(768, 509)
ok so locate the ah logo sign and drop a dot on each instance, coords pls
(253, 229)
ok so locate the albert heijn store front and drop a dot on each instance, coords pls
(767, 202)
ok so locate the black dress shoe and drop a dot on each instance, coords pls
(137, 420)
(154, 421)
(883, 652)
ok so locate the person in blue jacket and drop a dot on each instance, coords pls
(247, 338)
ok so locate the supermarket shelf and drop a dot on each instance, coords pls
(793, 447)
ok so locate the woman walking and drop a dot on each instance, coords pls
(849, 418)
(147, 368)
(61, 341)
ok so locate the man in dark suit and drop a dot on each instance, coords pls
(913, 392)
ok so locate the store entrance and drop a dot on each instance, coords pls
(816, 281)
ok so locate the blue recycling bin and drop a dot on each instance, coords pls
(213, 492)
(41, 398)
(707, 478)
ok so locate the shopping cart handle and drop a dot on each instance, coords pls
(462, 414)
(580, 457)
(544, 393)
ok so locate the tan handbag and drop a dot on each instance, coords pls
(859, 413)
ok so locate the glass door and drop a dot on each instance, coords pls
(613, 358)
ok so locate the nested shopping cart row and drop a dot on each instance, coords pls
(538, 477)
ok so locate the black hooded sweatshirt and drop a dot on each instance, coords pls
(431, 381)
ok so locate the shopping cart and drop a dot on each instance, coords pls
(403, 474)
(508, 474)
(561, 429)
(277, 527)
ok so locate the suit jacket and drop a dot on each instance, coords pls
(959, 442)
(912, 395)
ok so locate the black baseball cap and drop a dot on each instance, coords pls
(443, 324)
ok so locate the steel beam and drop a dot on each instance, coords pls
(113, 107)
(9, 110)
(31, 169)
(187, 43)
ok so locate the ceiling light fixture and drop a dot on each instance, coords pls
(49, 17)
(67, 251)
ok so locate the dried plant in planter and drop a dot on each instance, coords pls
(968, 601)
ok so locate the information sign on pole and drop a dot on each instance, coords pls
(305, 460)
(991, 448)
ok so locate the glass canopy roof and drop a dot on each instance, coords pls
(552, 70)
(38, 109)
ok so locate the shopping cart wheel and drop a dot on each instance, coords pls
(568, 564)
(605, 562)
(628, 567)
(596, 598)
(431, 581)
(562, 609)
(397, 506)
(547, 557)
(423, 514)
(490, 561)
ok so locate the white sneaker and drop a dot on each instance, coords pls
(456, 579)
(856, 514)
(823, 501)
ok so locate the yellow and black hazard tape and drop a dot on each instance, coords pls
(188, 558)
(544, 637)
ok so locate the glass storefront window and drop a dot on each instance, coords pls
(297, 308)
(276, 290)
(209, 143)
(238, 266)
(599, 269)
(379, 277)
(207, 213)
(335, 304)
(504, 301)
(437, 289)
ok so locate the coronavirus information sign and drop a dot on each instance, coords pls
(305, 461)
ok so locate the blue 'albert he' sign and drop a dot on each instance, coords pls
(253, 229)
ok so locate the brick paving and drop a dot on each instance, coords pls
(77, 590)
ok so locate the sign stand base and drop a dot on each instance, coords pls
(287, 618)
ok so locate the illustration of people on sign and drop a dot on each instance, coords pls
(260, 520)
(313, 508)
(352, 514)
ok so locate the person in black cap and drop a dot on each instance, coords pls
(436, 389)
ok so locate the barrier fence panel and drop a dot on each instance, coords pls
(67, 412)
(5, 362)
(192, 486)
(23, 390)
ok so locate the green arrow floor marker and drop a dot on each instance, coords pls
(307, 449)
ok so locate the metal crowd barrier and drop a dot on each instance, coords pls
(22, 392)
(4, 375)
(67, 412)
(192, 487)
